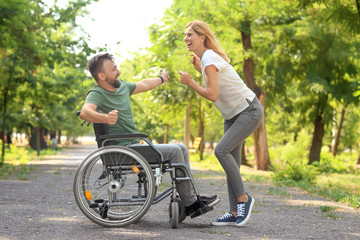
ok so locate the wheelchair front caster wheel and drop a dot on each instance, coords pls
(174, 214)
(182, 214)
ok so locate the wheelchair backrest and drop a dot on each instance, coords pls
(100, 129)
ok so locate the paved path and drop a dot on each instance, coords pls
(44, 208)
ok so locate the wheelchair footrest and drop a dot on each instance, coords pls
(104, 210)
(103, 207)
(201, 211)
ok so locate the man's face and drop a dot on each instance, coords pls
(111, 73)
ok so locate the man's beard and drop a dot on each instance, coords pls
(115, 84)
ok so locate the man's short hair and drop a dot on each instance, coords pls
(95, 64)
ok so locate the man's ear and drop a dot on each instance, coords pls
(101, 76)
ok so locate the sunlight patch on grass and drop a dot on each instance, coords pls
(17, 159)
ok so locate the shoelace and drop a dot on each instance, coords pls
(241, 209)
(227, 215)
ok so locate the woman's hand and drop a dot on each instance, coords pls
(185, 78)
(195, 60)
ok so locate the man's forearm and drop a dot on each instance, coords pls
(147, 84)
(152, 83)
(92, 116)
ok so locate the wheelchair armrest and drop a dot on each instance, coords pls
(122, 136)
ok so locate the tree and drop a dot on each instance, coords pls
(17, 53)
(43, 62)
(304, 59)
(338, 133)
(345, 13)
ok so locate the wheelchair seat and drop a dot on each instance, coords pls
(148, 152)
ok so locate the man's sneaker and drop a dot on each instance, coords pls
(244, 211)
(198, 208)
(210, 201)
(227, 219)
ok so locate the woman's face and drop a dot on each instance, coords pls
(193, 40)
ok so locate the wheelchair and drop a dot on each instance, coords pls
(115, 185)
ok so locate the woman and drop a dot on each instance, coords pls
(239, 106)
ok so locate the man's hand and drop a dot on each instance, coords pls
(195, 60)
(185, 78)
(164, 74)
(112, 117)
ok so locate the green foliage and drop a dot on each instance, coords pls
(329, 211)
(290, 161)
(42, 65)
(295, 171)
(345, 12)
(278, 192)
(16, 163)
(332, 177)
(307, 64)
(325, 208)
(330, 164)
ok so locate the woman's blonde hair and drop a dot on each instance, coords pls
(201, 28)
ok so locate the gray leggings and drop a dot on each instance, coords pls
(228, 150)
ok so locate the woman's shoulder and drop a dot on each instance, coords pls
(211, 55)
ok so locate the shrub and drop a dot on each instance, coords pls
(330, 164)
(292, 164)
(294, 171)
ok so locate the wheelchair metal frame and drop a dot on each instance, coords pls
(163, 166)
(158, 167)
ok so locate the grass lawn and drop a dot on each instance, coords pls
(340, 187)
(16, 167)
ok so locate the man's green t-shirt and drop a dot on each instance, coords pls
(107, 101)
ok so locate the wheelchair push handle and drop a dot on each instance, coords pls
(78, 114)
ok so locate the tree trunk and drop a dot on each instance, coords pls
(59, 137)
(37, 141)
(212, 144)
(2, 160)
(201, 130)
(337, 136)
(260, 140)
(316, 145)
(358, 161)
(8, 139)
(187, 126)
(166, 133)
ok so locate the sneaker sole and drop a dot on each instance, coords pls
(223, 223)
(216, 201)
(248, 216)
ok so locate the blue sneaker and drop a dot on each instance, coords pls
(227, 219)
(244, 211)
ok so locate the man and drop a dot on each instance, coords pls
(112, 97)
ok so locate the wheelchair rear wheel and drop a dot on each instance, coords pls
(114, 186)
